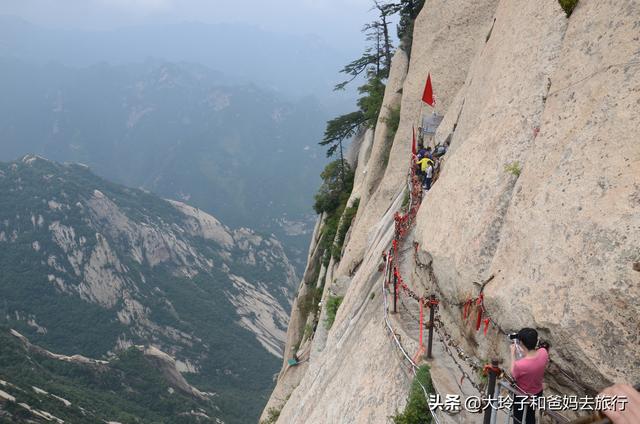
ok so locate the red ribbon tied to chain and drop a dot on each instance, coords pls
(465, 310)
(489, 367)
(479, 319)
(486, 326)
(480, 310)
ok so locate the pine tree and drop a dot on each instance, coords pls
(374, 64)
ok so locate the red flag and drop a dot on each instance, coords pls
(427, 95)
(413, 146)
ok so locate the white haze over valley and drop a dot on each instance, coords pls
(335, 20)
(295, 48)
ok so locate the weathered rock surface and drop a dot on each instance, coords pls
(540, 189)
(561, 237)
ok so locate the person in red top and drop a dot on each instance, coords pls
(528, 371)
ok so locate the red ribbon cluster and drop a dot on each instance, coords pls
(432, 302)
(403, 286)
(478, 302)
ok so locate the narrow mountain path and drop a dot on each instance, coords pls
(445, 370)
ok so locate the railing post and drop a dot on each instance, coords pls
(432, 316)
(491, 388)
(395, 292)
(494, 411)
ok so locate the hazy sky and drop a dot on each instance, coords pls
(334, 20)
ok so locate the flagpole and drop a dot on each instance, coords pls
(420, 121)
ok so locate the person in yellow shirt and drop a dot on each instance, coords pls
(426, 168)
(424, 163)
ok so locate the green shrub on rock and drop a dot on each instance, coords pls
(417, 409)
(568, 6)
(333, 303)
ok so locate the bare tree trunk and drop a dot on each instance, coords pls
(344, 183)
(385, 11)
(377, 51)
(387, 42)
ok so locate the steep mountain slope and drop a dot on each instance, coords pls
(90, 267)
(538, 196)
(182, 131)
(137, 385)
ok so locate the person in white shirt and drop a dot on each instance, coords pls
(428, 177)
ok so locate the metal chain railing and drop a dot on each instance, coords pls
(403, 224)
(449, 345)
(414, 366)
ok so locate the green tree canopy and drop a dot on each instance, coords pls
(341, 128)
(336, 187)
(408, 11)
(371, 101)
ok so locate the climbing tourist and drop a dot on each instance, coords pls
(418, 167)
(528, 372)
(425, 163)
(440, 150)
(429, 153)
(421, 151)
(428, 176)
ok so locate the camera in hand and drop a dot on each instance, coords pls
(542, 344)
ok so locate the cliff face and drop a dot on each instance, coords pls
(561, 238)
(540, 190)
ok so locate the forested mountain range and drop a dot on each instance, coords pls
(94, 268)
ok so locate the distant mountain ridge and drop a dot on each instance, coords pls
(91, 268)
(293, 65)
(177, 129)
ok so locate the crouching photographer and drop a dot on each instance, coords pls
(528, 362)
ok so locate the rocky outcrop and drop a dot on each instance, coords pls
(79, 359)
(161, 360)
(538, 193)
(88, 382)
